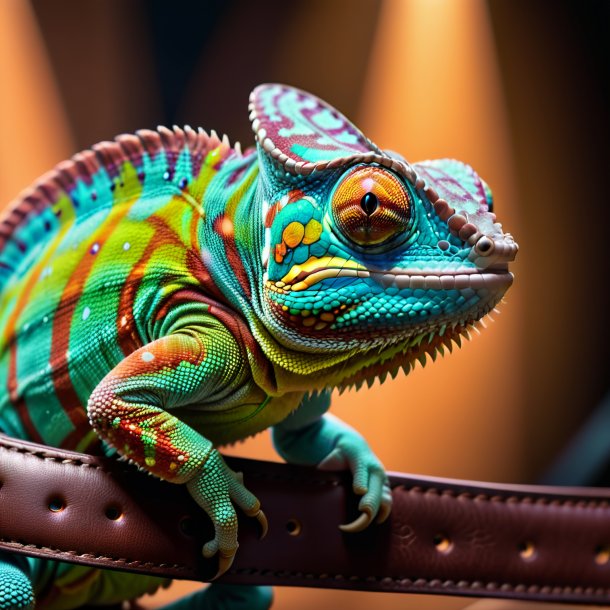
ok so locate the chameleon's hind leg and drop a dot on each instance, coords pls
(16, 591)
(225, 597)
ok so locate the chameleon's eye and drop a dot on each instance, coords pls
(371, 206)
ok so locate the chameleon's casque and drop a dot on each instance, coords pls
(167, 293)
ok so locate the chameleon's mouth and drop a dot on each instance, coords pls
(458, 279)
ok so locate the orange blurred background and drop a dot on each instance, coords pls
(517, 90)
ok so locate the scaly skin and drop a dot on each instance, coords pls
(166, 294)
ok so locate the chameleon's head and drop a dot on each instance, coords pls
(361, 248)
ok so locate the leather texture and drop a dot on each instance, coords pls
(443, 537)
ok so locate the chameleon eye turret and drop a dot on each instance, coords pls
(370, 206)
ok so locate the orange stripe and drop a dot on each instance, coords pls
(60, 339)
(127, 336)
(10, 335)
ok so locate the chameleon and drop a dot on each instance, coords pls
(167, 293)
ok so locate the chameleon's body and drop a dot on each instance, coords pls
(167, 294)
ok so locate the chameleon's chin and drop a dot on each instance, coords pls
(419, 348)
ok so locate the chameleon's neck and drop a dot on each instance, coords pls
(232, 232)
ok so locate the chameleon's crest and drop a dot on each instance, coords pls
(304, 134)
(165, 160)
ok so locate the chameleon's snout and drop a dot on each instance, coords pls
(493, 252)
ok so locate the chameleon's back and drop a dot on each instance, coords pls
(84, 257)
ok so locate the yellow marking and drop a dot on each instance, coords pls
(293, 234)
(84, 443)
(324, 274)
(320, 325)
(323, 262)
(313, 230)
(150, 461)
(214, 156)
(238, 195)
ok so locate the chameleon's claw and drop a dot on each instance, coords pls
(361, 523)
(384, 512)
(225, 561)
(260, 516)
(262, 519)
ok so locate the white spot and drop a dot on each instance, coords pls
(148, 357)
(368, 184)
(95, 247)
(124, 321)
(126, 246)
(86, 313)
(45, 319)
(181, 458)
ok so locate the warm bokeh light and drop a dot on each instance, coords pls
(35, 133)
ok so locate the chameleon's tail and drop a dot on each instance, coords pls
(225, 597)
(16, 592)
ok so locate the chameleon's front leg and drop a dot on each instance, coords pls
(310, 436)
(130, 409)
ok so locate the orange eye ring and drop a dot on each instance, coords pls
(370, 206)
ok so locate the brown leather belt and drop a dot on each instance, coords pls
(443, 537)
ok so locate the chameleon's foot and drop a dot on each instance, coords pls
(225, 597)
(216, 489)
(16, 591)
(370, 480)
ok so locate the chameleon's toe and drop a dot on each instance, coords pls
(359, 524)
(386, 504)
(370, 480)
(260, 516)
(373, 504)
(248, 503)
(217, 489)
(225, 561)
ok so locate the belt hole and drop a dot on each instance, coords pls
(114, 513)
(293, 527)
(527, 550)
(442, 543)
(56, 505)
(602, 554)
(187, 526)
